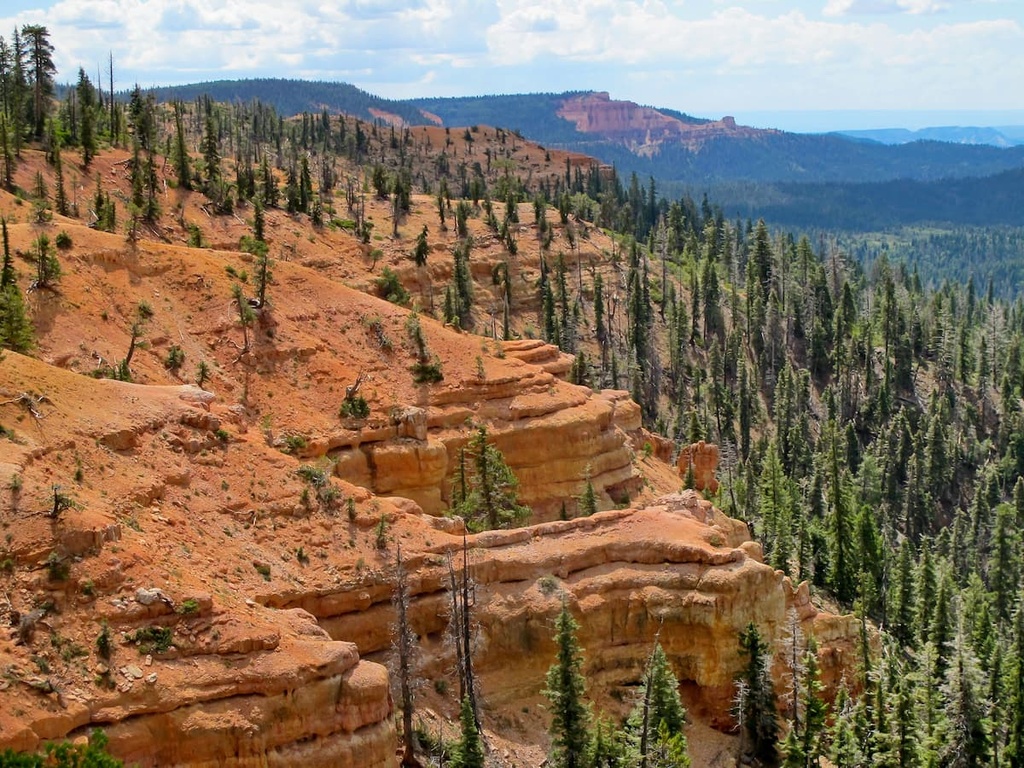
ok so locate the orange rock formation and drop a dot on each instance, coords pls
(643, 129)
(704, 459)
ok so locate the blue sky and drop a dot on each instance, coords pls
(763, 58)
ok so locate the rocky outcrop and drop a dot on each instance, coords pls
(645, 129)
(702, 459)
(247, 592)
(553, 435)
(118, 611)
(678, 570)
(275, 690)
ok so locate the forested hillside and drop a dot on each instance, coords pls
(988, 201)
(870, 422)
(770, 158)
(293, 97)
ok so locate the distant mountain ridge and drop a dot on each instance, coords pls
(292, 97)
(674, 147)
(805, 179)
(1008, 136)
(671, 146)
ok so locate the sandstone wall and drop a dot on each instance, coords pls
(679, 570)
(551, 433)
(280, 694)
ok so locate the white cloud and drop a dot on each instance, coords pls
(867, 7)
(690, 55)
(165, 41)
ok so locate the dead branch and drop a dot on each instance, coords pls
(352, 389)
(30, 402)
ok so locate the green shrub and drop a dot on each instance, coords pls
(315, 476)
(294, 443)
(548, 585)
(195, 236)
(57, 568)
(427, 372)
(153, 639)
(354, 407)
(104, 646)
(65, 755)
(175, 358)
(189, 607)
(390, 288)
(63, 240)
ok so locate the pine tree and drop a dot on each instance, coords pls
(759, 718)
(246, 316)
(422, 248)
(871, 555)
(47, 266)
(490, 498)
(608, 747)
(462, 283)
(842, 579)
(815, 710)
(965, 733)
(6, 154)
(903, 599)
(588, 500)
(404, 646)
(658, 718)
(36, 39)
(268, 182)
(469, 752)
(15, 327)
(305, 186)
(845, 750)
(1015, 737)
(565, 691)
(179, 155)
(1003, 566)
(7, 275)
(211, 153)
(60, 198)
(18, 88)
(460, 627)
(792, 750)
(774, 508)
(86, 95)
(905, 724)
(927, 589)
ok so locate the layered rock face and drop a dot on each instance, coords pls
(552, 435)
(644, 129)
(128, 610)
(239, 624)
(308, 701)
(679, 571)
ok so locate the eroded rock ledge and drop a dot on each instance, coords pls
(678, 569)
(275, 690)
(553, 435)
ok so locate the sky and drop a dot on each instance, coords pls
(830, 63)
